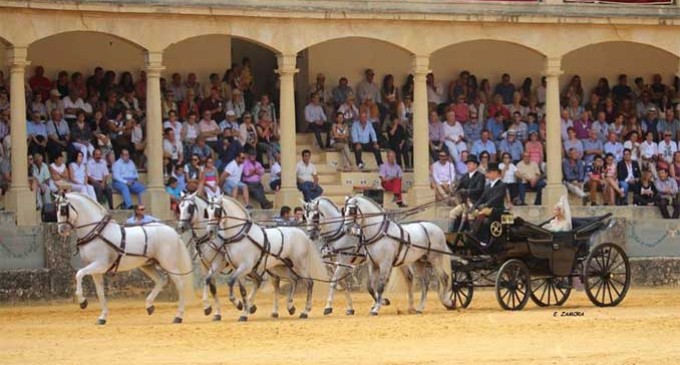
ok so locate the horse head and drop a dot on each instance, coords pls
(66, 215)
(362, 213)
(312, 217)
(214, 216)
(188, 212)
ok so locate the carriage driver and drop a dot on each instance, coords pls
(490, 205)
(470, 188)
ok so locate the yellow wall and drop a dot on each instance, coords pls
(201, 55)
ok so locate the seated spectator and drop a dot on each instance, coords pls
(391, 176)
(454, 136)
(535, 149)
(512, 146)
(139, 217)
(37, 106)
(565, 124)
(298, 216)
(444, 175)
(342, 92)
(617, 127)
(674, 168)
(174, 123)
(138, 141)
(628, 173)
(461, 166)
(651, 123)
(248, 133)
(519, 127)
(583, 126)
(193, 174)
(81, 136)
(98, 177)
(190, 132)
(436, 135)
(315, 116)
(484, 144)
(264, 105)
(612, 191)
(201, 149)
(36, 131)
(180, 176)
(365, 139)
(670, 123)
(43, 180)
(667, 190)
(397, 138)
(173, 189)
(209, 179)
(509, 177)
(54, 102)
(267, 139)
(573, 171)
(532, 124)
(168, 105)
(307, 178)
(498, 106)
(461, 109)
(645, 193)
(209, 130)
(60, 175)
(505, 89)
(573, 143)
(78, 177)
(667, 148)
(213, 104)
(40, 85)
(613, 147)
(496, 127)
(595, 179)
(173, 152)
(435, 92)
(237, 104)
(126, 180)
(633, 144)
(275, 174)
(58, 134)
(73, 103)
(340, 137)
(231, 180)
(230, 126)
(592, 147)
(252, 177)
(529, 176)
(484, 159)
(193, 84)
(227, 149)
(349, 110)
(473, 129)
(130, 102)
(284, 218)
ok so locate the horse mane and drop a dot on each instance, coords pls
(372, 202)
(332, 203)
(102, 210)
(238, 204)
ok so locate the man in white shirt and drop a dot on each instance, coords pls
(649, 151)
(275, 173)
(307, 178)
(443, 176)
(454, 136)
(173, 151)
(316, 117)
(367, 89)
(98, 176)
(667, 147)
(231, 179)
(435, 91)
(73, 104)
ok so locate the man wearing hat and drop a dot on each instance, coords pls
(54, 102)
(491, 204)
(470, 188)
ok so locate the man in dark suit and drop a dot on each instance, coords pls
(470, 187)
(491, 204)
(628, 174)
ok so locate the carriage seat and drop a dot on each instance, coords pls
(577, 223)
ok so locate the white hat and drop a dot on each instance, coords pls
(230, 113)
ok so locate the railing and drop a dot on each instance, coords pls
(624, 2)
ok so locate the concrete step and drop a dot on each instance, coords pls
(305, 138)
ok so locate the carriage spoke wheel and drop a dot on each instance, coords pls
(462, 289)
(513, 285)
(550, 291)
(606, 275)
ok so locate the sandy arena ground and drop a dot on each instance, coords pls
(645, 329)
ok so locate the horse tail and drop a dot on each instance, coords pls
(185, 271)
(315, 265)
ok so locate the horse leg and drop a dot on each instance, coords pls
(409, 286)
(339, 270)
(213, 291)
(383, 276)
(94, 267)
(308, 305)
(348, 296)
(293, 286)
(444, 287)
(250, 304)
(181, 303)
(421, 271)
(237, 276)
(99, 285)
(159, 282)
(276, 282)
(371, 284)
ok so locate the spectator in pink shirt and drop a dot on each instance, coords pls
(534, 148)
(252, 177)
(462, 109)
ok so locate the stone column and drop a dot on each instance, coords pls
(156, 198)
(555, 189)
(20, 198)
(421, 192)
(289, 194)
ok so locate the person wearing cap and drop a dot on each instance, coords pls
(368, 89)
(315, 116)
(491, 204)
(470, 187)
(341, 92)
(54, 102)
(667, 148)
(651, 123)
(512, 146)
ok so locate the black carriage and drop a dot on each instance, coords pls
(524, 260)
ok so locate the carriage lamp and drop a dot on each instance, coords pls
(507, 219)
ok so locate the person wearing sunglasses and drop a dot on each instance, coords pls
(140, 217)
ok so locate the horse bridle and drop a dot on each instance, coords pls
(353, 210)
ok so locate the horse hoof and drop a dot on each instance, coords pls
(350, 312)
(243, 319)
(83, 304)
(150, 310)
(386, 302)
(373, 314)
(207, 311)
(101, 322)
(304, 315)
(275, 315)
(291, 310)
(412, 311)
(253, 309)
(418, 311)
(327, 311)
(239, 306)
(217, 318)
(177, 320)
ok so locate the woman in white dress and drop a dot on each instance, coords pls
(562, 220)
(78, 172)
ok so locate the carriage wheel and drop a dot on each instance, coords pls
(513, 285)
(550, 291)
(607, 275)
(462, 289)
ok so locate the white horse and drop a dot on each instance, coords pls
(193, 216)
(326, 222)
(106, 247)
(251, 249)
(411, 247)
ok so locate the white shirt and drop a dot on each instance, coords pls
(443, 173)
(304, 172)
(667, 150)
(648, 149)
(97, 170)
(314, 113)
(435, 96)
(509, 175)
(275, 172)
(175, 150)
(176, 127)
(454, 132)
(70, 104)
(564, 126)
(79, 173)
(235, 171)
(192, 131)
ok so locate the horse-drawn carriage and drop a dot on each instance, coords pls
(532, 262)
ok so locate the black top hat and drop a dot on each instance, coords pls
(493, 166)
(473, 159)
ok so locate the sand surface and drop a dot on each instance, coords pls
(644, 329)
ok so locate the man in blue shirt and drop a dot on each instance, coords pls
(140, 218)
(512, 146)
(36, 131)
(365, 139)
(126, 179)
(496, 127)
(484, 144)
